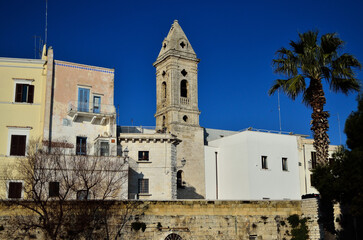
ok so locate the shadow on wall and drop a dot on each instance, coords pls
(133, 183)
(188, 193)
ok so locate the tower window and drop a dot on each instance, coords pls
(185, 118)
(163, 89)
(164, 45)
(163, 73)
(184, 73)
(182, 44)
(184, 88)
(164, 120)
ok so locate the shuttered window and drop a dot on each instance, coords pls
(24, 93)
(143, 185)
(15, 189)
(18, 145)
(81, 147)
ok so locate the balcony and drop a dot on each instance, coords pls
(184, 100)
(91, 110)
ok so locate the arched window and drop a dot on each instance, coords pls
(164, 120)
(179, 179)
(184, 88)
(173, 236)
(163, 90)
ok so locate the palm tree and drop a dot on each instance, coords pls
(309, 62)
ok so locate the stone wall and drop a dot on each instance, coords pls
(202, 220)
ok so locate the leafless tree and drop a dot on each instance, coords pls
(68, 196)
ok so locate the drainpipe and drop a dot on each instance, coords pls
(306, 183)
(216, 154)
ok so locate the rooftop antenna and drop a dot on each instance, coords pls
(35, 45)
(46, 21)
(278, 103)
(340, 133)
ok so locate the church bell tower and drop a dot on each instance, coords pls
(176, 82)
(177, 107)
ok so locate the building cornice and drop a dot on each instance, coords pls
(22, 60)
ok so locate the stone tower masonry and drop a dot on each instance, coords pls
(177, 108)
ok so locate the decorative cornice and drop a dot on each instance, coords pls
(84, 67)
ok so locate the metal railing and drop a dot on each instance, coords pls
(90, 107)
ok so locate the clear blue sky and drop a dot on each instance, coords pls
(235, 40)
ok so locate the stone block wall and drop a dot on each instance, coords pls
(208, 220)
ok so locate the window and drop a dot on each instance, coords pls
(184, 88)
(83, 99)
(96, 104)
(24, 93)
(311, 180)
(53, 189)
(143, 185)
(15, 190)
(179, 179)
(82, 195)
(81, 146)
(313, 160)
(264, 162)
(18, 145)
(143, 155)
(163, 90)
(104, 151)
(284, 164)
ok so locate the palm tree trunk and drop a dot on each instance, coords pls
(319, 122)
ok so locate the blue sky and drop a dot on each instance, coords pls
(235, 40)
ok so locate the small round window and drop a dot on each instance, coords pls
(185, 118)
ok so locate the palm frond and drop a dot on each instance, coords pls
(286, 63)
(330, 43)
(291, 87)
(343, 77)
(309, 39)
(277, 84)
(294, 86)
(345, 85)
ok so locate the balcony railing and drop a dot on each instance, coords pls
(184, 100)
(89, 107)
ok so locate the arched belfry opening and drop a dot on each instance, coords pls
(173, 236)
(184, 88)
(163, 90)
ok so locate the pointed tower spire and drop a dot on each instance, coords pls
(176, 43)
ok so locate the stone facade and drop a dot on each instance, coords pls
(208, 220)
(177, 107)
(80, 104)
(152, 158)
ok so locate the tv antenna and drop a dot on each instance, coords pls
(35, 45)
(46, 21)
(278, 105)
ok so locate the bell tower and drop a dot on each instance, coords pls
(176, 82)
(177, 107)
